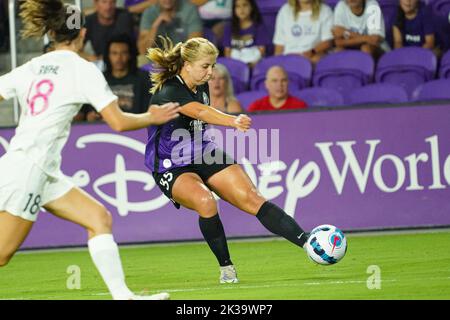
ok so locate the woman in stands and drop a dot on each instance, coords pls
(246, 37)
(51, 89)
(221, 91)
(304, 27)
(414, 25)
(190, 179)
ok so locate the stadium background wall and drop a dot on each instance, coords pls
(359, 169)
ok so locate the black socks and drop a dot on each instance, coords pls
(212, 230)
(277, 221)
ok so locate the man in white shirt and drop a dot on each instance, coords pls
(359, 24)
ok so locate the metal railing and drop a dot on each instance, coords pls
(13, 46)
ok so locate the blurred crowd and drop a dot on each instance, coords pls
(120, 31)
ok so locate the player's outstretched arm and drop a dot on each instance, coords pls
(122, 121)
(213, 116)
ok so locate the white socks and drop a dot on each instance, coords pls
(105, 254)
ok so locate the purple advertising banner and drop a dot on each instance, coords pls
(357, 169)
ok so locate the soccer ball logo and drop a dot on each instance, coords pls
(326, 245)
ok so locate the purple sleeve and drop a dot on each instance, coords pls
(226, 40)
(262, 36)
(427, 20)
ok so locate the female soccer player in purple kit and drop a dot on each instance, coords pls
(181, 75)
(51, 90)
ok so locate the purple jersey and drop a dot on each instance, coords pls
(255, 35)
(414, 30)
(179, 142)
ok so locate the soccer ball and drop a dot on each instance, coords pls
(326, 244)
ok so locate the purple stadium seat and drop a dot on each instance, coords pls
(239, 72)
(440, 10)
(269, 9)
(389, 9)
(444, 70)
(441, 7)
(408, 67)
(247, 98)
(344, 70)
(378, 93)
(147, 67)
(299, 71)
(331, 3)
(433, 90)
(320, 97)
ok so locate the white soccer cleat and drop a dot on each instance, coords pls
(158, 296)
(228, 274)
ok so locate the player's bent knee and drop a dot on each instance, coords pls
(253, 201)
(206, 206)
(101, 221)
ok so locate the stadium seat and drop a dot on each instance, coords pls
(433, 90)
(146, 67)
(239, 72)
(444, 70)
(331, 3)
(377, 93)
(320, 97)
(441, 7)
(389, 9)
(440, 10)
(299, 70)
(344, 70)
(408, 67)
(247, 98)
(269, 10)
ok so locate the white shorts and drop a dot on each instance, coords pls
(25, 188)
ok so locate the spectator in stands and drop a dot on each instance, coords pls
(278, 99)
(246, 37)
(414, 25)
(126, 81)
(105, 22)
(177, 19)
(359, 24)
(221, 91)
(137, 8)
(304, 27)
(214, 13)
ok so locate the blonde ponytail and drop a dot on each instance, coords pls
(169, 60)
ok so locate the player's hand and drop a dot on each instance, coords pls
(242, 122)
(164, 113)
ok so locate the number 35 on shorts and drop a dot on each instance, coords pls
(166, 179)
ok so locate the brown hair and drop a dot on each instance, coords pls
(169, 60)
(42, 16)
(315, 8)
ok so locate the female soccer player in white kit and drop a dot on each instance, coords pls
(51, 89)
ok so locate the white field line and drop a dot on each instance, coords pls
(237, 287)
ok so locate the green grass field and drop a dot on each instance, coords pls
(413, 266)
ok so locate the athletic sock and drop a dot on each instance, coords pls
(105, 254)
(279, 222)
(212, 230)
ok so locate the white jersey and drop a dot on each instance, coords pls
(371, 22)
(51, 90)
(303, 33)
